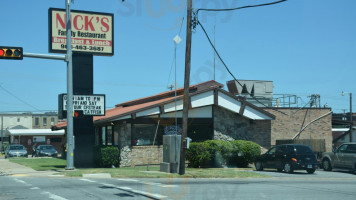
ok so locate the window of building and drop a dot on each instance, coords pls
(56, 139)
(200, 132)
(103, 135)
(52, 120)
(144, 134)
(37, 121)
(18, 119)
(44, 121)
(116, 135)
(109, 135)
(97, 136)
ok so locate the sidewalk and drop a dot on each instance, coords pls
(13, 169)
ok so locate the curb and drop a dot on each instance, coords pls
(99, 175)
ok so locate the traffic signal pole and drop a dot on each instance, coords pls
(70, 135)
(44, 56)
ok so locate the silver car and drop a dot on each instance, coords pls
(15, 150)
(343, 157)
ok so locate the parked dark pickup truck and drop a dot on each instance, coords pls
(343, 157)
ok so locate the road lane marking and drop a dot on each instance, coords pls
(148, 183)
(128, 189)
(129, 180)
(99, 175)
(124, 188)
(147, 194)
(159, 184)
(19, 175)
(35, 188)
(87, 180)
(56, 175)
(169, 186)
(21, 181)
(151, 195)
(53, 196)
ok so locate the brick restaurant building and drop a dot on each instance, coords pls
(137, 127)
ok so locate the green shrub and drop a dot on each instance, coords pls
(210, 153)
(197, 154)
(218, 153)
(106, 156)
(4, 145)
(244, 152)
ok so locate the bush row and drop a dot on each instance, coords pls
(106, 156)
(4, 145)
(219, 153)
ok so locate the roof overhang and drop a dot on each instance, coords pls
(199, 100)
(165, 105)
(34, 132)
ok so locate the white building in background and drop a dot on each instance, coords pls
(342, 135)
(13, 120)
(28, 120)
(10, 120)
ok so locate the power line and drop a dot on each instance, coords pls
(232, 9)
(196, 21)
(24, 102)
(27, 111)
(217, 53)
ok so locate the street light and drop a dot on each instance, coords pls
(351, 123)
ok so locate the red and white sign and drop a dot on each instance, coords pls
(92, 32)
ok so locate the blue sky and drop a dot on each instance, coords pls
(304, 46)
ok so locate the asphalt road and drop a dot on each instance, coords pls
(304, 175)
(321, 185)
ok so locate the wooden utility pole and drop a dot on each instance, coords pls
(186, 87)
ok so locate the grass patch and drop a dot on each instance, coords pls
(45, 164)
(141, 172)
(41, 164)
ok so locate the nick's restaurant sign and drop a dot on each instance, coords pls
(92, 32)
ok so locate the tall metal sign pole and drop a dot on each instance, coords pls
(70, 139)
(186, 87)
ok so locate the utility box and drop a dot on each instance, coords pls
(171, 153)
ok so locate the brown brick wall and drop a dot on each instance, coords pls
(287, 125)
(142, 155)
(262, 130)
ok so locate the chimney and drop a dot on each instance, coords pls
(231, 85)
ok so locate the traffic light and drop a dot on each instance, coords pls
(78, 114)
(13, 53)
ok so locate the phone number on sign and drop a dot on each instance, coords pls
(84, 48)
